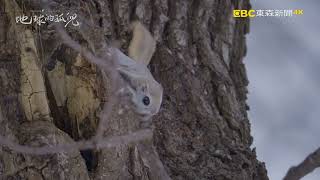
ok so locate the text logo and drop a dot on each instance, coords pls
(266, 13)
(244, 13)
(298, 12)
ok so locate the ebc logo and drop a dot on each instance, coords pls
(244, 13)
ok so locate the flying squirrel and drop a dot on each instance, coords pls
(146, 93)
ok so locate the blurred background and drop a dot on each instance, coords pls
(283, 64)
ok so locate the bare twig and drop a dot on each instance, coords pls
(76, 146)
(304, 168)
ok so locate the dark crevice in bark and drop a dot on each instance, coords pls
(55, 113)
(90, 158)
(153, 14)
(114, 20)
(133, 7)
(99, 13)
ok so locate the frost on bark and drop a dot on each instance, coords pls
(51, 95)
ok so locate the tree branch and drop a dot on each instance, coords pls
(304, 168)
(77, 146)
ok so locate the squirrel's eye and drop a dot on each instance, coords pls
(146, 100)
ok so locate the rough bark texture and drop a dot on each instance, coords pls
(51, 95)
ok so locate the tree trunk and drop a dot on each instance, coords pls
(51, 95)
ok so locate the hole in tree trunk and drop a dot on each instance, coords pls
(90, 158)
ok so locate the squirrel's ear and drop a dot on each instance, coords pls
(142, 45)
(128, 67)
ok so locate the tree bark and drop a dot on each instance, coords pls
(202, 130)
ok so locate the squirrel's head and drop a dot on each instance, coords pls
(146, 96)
